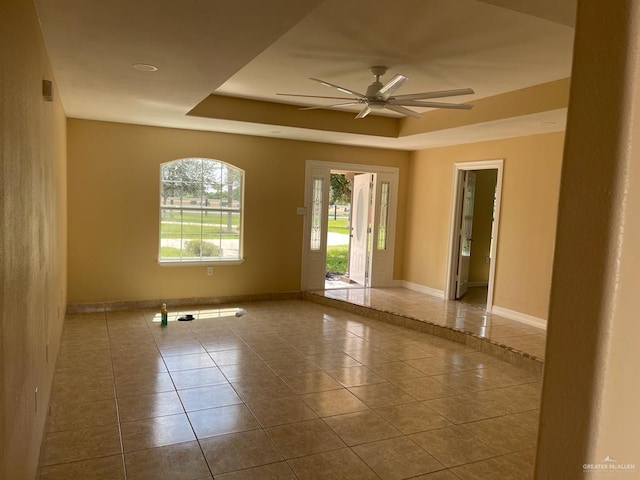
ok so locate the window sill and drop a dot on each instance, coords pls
(208, 263)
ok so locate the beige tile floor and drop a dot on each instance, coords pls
(289, 389)
(468, 315)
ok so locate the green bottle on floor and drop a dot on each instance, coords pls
(165, 315)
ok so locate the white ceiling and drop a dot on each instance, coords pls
(256, 49)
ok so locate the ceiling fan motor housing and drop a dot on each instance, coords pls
(373, 89)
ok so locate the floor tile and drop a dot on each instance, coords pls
(190, 349)
(354, 376)
(81, 389)
(278, 411)
(527, 420)
(257, 387)
(499, 467)
(199, 377)
(460, 409)
(425, 388)
(287, 366)
(144, 383)
(247, 368)
(371, 356)
(181, 461)
(334, 402)
(524, 461)
(304, 438)
(432, 365)
(502, 435)
(273, 471)
(338, 464)
(234, 357)
(407, 353)
(334, 360)
(412, 417)
(395, 371)
(237, 451)
(220, 343)
(147, 406)
(453, 445)
(80, 444)
(102, 468)
(156, 432)
(210, 396)
(222, 420)
(311, 382)
(361, 427)
(397, 458)
(441, 475)
(71, 416)
(381, 394)
(138, 365)
(188, 362)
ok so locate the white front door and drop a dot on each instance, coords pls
(315, 232)
(375, 242)
(360, 228)
(466, 225)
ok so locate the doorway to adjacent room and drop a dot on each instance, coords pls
(473, 232)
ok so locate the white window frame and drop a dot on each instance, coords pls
(203, 207)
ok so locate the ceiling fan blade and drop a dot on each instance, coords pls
(331, 106)
(416, 103)
(364, 112)
(314, 96)
(342, 89)
(392, 85)
(403, 111)
(440, 94)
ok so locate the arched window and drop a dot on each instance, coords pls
(200, 211)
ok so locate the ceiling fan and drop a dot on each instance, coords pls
(379, 96)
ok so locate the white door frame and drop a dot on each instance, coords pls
(382, 261)
(454, 238)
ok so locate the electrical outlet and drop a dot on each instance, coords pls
(209, 270)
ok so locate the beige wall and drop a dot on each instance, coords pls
(33, 238)
(114, 210)
(591, 392)
(482, 223)
(527, 219)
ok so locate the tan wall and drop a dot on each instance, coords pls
(527, 219)
(114, 210)
(591, 392)
(33, 238)
(482, 223)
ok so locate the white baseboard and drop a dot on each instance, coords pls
(423, 289)
(520, 317)
(478, 284)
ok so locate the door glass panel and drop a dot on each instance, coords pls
(384, 216)
(316, 213)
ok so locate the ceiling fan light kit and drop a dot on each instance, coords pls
(379, 96)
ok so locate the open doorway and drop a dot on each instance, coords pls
(350, 229)
(349, 239)
(473, 232)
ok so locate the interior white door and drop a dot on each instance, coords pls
(360, 228)
(466, 225)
